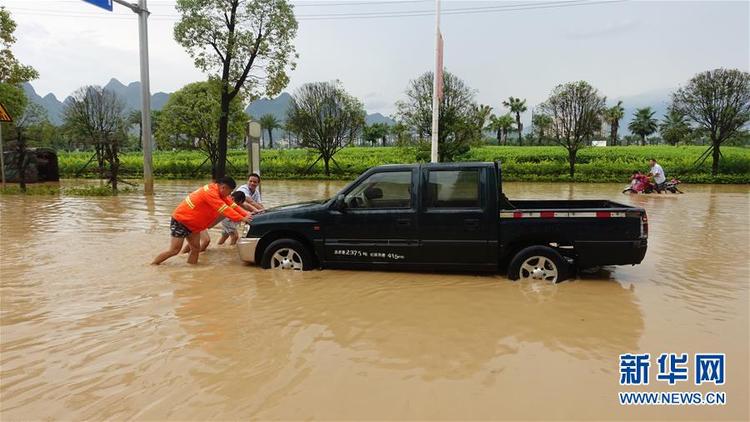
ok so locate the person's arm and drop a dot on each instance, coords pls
(223, 207)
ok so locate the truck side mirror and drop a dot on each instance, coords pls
(338, 203)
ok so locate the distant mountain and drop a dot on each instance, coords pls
(274, 106)
(49, 102)
(131, 94)
(379, 118)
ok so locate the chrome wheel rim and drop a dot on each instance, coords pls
(286, 259)
(538, 268)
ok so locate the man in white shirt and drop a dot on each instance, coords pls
(658, 174)
(253, 202)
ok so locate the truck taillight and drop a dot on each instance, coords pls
(644, 225)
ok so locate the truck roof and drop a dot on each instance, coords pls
(460, 164)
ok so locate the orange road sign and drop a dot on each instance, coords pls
(4, 116)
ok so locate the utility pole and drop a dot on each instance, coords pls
(437, 82)
(142, 11)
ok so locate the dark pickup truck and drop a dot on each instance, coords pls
(445, 216)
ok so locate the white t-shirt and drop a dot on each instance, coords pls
(658, 173)
(255, 196)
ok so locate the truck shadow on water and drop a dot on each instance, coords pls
(428, 326)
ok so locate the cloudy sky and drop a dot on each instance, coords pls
(500, 48)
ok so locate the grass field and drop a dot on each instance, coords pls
(610, 164)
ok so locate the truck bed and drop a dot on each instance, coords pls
(566, 205)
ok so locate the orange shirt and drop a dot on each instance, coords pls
(199, 210)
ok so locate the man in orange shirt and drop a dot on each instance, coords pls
(197, 212)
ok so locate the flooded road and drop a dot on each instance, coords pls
(89, 330)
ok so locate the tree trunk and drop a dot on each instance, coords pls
(499, 136)
(270, 138)
(716, 156)
(100, 158)
(520, 127)
(572, 161)
(613, 135)
(325, 163)
(114, 166)
(643, 140)
(221, 159)
(21, 161)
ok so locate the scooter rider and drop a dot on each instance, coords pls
(657, 173)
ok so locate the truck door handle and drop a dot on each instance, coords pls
(471, 224)
(403, 222)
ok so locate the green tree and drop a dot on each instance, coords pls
(501, 125)
(326, 118)
(612, 116)
(13, 98)
(246, 44)
(516, 106)
(375, 132)
(457, 114)
(643, 123)
(190, 116)
(401, 132)
(542, 124)
(134, 118)
(269, 122)
(718, 103)
(575, 109)
(11, 70)
(674, 127)
(12, 74)
(21, 137)
(98, 116)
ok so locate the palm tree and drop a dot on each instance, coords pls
(643, 123)
(674, 127)
(542, 123)
(501, 125)
(612, 116)
(269, 122)
(516, 106)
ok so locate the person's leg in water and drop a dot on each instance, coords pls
(223, 238)
(194, 241)
(234, 238)
(205, 240)
(174, 248)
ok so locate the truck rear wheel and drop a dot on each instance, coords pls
(287, 254)
(538, 263)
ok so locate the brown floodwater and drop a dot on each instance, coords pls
(90, 330)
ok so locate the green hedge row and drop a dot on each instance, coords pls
(610, 164)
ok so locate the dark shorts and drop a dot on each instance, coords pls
(178, 229)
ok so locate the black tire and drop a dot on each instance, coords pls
(287, 254)
(552, 262)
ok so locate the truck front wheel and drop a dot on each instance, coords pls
(287, 254)
(538, 263)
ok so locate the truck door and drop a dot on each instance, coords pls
(454, 227)
(378, 222)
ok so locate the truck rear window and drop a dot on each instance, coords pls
(453, 189)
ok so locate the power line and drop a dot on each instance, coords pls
(355, 15)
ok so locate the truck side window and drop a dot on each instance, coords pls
(390, 189)
(453, 189)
